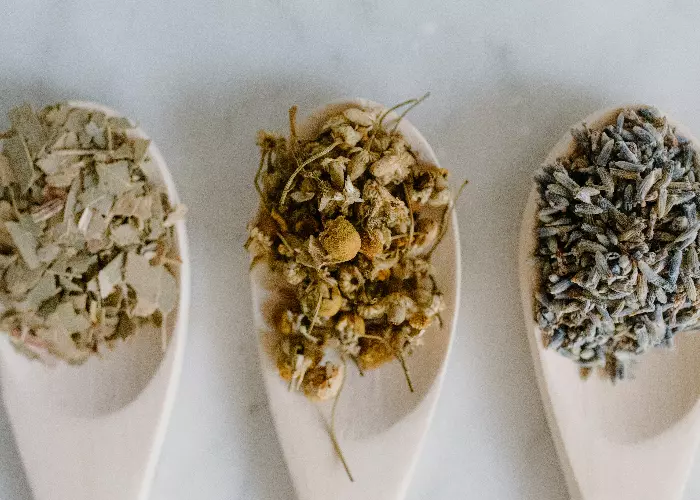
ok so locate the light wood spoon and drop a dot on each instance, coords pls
(379, 423)
(95, 431)
(635, 440)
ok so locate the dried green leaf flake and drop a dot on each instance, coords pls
(26, 123)
(25, 242)
(51, 164)
(20, 160)
(66, 318)
(7, 176)
(111, 275)
(114, 177)
(140, 148)
(78, 188)
(19, 278)
(65, 176)
(125, 235)
(42, 291)
(119, 123)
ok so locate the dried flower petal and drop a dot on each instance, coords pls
(349, 243)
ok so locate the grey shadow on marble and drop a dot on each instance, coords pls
(13, 481)
(215, 131)
(502, 133)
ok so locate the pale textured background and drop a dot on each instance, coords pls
(202, 77)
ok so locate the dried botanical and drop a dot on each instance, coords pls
(618, 242)
(87, 248)
(349, 219)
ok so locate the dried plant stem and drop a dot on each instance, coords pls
(405, 370)
(285, 242)
(359, 368)
(400, 105)
(407, 192)
(381, 118)
(443, 221)
(334, 437)
(256, 181)
(13, 201)
(373, 337)
(290, 181)
(313, 320)
(110, 140)
(440, 321)
(293, 129)
(408, 109)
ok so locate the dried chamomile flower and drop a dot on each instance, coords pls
(340, 240)
(358, 163)
(87, 246)
(350, 280)
(323, 382)
(361, 117)
(348, 219)
(350, 328)
(320, 300)
(393, 167)
(374, 352)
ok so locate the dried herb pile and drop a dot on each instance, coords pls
(349, 219)
(87, 249)
(618, 242)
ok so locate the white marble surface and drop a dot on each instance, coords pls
(507, 78)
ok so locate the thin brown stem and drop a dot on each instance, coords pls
(313, 320)
(407, 192)
(290, 181)
(359, 368)
(334, 437)
(405, 370)
(256, 181)
(293, 129)
(378, 125)
(407, 110)
(444, 222)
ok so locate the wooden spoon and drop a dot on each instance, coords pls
(95, 431)
(380, 424)
(632, 440)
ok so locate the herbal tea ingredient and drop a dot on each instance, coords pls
(349, 220)
(618, 242)
(87, 248)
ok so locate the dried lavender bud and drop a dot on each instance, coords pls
(627, 248)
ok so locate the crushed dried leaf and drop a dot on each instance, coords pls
(87, 247)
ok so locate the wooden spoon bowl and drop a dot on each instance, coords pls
(379, 423)
(94, 431)
(632, 440)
